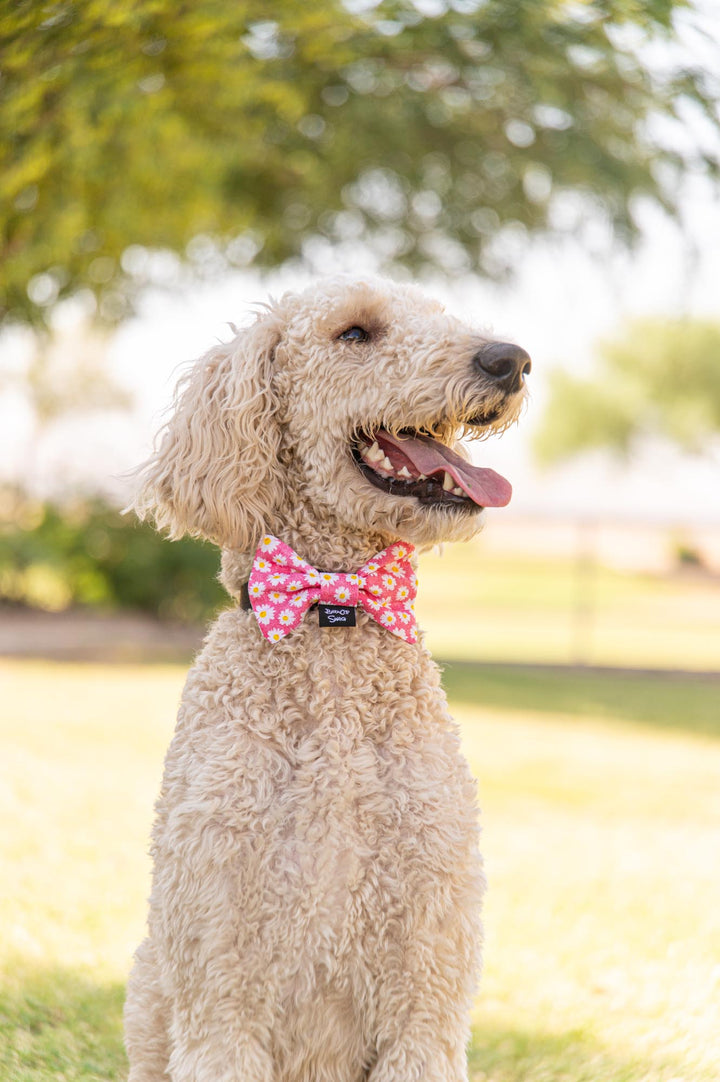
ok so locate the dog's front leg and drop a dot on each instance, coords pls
(424, 998)
(199, 1040)
(216, 1051)
(216, 970)
(222, 1013)
(422, 1053)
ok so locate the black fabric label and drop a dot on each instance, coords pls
(337, 615)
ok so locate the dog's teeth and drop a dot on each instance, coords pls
(422, 477)
(387, 464)
(405, 472)
(457, 491)
(375, 454)
(447, 482)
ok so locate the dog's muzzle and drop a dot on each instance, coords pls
(505, 364)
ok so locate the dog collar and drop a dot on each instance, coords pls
(282, 587)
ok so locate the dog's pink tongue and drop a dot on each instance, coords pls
(484, 486)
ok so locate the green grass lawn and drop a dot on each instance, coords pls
(478, 604)
(601, 812)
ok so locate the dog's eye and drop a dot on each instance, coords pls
(354, 334)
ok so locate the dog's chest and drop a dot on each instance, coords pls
(348, 812)
(361, 845)
(368, 826)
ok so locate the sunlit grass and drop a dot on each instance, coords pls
(477, 604)
(688, 703)
(602, 933)
(601, 815)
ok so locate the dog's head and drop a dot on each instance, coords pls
(339, 409)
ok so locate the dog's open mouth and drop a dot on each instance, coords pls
(411, 464)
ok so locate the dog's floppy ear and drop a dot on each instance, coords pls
(215, 474)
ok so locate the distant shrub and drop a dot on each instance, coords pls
(87, 553)
(687, 555)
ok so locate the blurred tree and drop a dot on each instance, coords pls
(661, 379)
(226, 130)
(86, 553)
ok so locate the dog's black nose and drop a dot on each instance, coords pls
(505, 363)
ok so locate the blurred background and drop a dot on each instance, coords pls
(549, 169)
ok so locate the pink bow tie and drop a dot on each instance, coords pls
(282, 587)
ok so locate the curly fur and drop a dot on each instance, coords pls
(314, 914)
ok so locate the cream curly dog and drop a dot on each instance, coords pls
(314, 914)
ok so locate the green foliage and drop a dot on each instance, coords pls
(222, 131)
(91, 555)
(60, 1024)
(583, 414)
(662, 378)
(660, 701)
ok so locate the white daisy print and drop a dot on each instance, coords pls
(261, 565)
(405, 617)
(269, 543)
(256, 589)
(264, 614)
(375, 590)
(402, 593)
(395, 568)
(277, 579)
(372, 567)
(388, 618)
(275, 636)
(389, 581)
(286, 617)
(399, 552)
(342, 593)
(275, 596)
(295, 584)
(327, 577)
